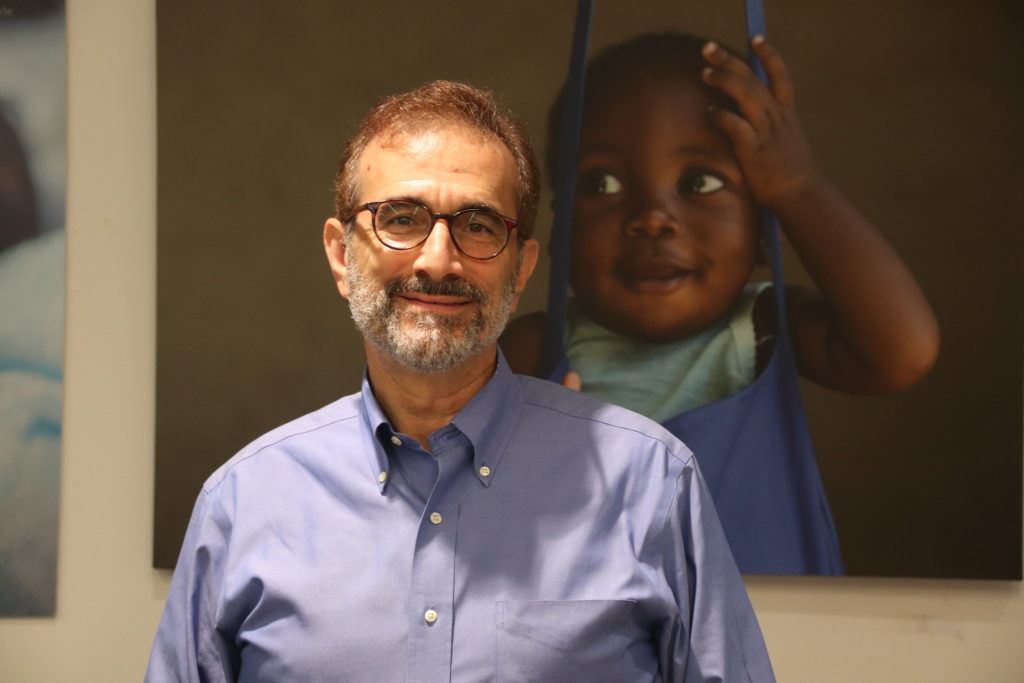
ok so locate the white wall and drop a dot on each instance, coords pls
(109, 599)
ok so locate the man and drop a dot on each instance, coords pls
(452, 521)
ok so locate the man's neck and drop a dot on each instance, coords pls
(419, 403)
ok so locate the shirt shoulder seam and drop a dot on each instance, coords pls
(242, 456)
(685, 459)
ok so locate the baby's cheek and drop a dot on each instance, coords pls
(590, 265)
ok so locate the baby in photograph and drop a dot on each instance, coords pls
(681, 148)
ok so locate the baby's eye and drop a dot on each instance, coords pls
(600, 183)
(701, 183)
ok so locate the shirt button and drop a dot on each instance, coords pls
(436, 518)
(395, 440)
(382, 477)
(430, 616)
(485, 471)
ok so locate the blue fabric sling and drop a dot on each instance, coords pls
(753, 447)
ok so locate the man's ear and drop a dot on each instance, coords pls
(337, 254)
(530, 250)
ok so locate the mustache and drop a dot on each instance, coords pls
(420, 284)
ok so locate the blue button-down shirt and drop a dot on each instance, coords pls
(545, 537)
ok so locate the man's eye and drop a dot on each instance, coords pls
(398, 220)
(600, 183)
(702, 183)
(478, 228)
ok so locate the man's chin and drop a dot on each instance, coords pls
(435, 347)
(446, 320)
(430, 357)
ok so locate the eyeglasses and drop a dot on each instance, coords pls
(403, 224)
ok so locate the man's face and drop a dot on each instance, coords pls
(431, 308)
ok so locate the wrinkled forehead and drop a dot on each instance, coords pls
(439, 155)
(422, 136)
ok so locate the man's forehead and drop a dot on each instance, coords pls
(428, 139)
(445, 151)
(416, 144)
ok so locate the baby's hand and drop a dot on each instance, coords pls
(766, 137)
(572, 381)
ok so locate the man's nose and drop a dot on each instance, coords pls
(438, 257)
(653, 218)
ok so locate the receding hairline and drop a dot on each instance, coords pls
(392, 137)
(385, 136)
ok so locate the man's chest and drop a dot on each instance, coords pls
(472, 583)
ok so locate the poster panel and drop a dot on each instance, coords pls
(32, 187)
(254, 107)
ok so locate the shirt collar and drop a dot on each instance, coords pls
(488, 421)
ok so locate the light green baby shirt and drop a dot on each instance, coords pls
(663, 380)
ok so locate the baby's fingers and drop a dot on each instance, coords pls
(719, 57)
(778, 74)
(743, 136)
(572, 381)
(755, 102)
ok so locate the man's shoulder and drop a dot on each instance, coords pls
(558, 407)
(292, 437)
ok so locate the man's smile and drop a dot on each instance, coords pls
(436, 303)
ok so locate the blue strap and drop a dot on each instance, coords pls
(756, 26)
(565, 190)
(769, 221)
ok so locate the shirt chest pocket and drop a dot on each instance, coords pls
(566, 640)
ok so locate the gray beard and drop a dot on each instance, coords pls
(426, 342)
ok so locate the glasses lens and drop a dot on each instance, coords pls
(480, 234)
(402, 224)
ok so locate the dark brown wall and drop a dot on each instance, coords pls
(911, 107)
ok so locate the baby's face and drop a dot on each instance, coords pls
(665, 231)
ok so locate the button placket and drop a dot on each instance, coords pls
(433, 578)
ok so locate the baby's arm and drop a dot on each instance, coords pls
(870, 329)
(522, 343)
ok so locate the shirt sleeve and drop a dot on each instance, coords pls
(188, 645)
(717, 637)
